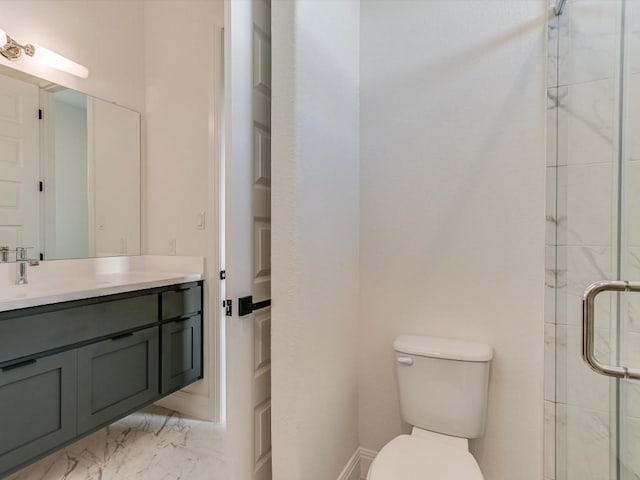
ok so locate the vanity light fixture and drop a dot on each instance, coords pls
(13, 50)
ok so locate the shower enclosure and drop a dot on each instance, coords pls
(592, 420)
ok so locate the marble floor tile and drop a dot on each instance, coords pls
(153, 444)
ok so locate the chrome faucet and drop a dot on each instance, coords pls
(22, 262)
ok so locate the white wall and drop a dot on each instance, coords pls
(452, 230)
(71, 201)
(106, 37)
(183, 61)
(315, 247)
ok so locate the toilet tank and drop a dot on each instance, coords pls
(443, 384)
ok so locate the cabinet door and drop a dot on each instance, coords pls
(184, 300)
(181, 353)
(37, 407)
(116, 377)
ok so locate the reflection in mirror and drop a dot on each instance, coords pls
(69, 172)
(69, 206)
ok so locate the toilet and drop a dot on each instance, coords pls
(443, 385)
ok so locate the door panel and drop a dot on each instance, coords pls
(594, 417)
(248, 234)
(19, 165)
(261, 288)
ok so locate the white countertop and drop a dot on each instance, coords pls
(67, 280)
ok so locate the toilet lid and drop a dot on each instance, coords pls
(408, 457)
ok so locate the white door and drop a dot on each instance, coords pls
(248, 242)
(19, 165)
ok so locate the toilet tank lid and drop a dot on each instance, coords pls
(447, 348)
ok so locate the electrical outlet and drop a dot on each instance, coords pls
(172, 246)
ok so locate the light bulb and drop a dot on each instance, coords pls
(54, 60)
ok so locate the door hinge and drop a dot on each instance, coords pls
(223, 274)
(228, 308)
(40, 114)
(41, 186)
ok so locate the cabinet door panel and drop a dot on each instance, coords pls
(181, 353)
(37, 408)
(185, 300)
(116, 376)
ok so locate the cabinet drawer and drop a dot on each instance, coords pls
(116, 376)
(39, 332)
(181, 353)
(37, 408)
(185, 300)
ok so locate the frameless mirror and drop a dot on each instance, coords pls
(69, 171)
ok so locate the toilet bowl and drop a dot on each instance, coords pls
(443, 385)
(410, 457)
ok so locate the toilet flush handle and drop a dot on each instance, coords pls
(408, 361)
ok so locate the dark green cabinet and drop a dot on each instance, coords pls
(49, 327)
(68, 369)
(37, 407)
(116, 376)
(181, 353)
(184, 300)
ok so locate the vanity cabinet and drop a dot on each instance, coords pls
(117, 375)
(181, 352)
(70, 368)
(181, 302)
(48, 327)
(37, 407)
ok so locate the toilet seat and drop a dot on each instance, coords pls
(408, 457)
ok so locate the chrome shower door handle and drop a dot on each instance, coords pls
(588, 329)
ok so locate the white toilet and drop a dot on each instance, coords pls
(443, 386)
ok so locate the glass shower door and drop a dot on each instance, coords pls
(593, 420)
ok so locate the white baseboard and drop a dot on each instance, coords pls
(351, 471)
(358, 465)
(366, 458)
(197, 406)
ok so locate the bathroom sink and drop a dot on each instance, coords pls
(39, 289)
(46, 287)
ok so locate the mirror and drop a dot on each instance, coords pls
(69, 171)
